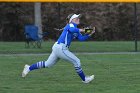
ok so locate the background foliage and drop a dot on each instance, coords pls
(114, 21)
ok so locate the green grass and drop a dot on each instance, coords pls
(114, 73)
(94, 46)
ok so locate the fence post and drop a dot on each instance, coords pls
(38, 21)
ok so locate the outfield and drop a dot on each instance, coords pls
(112, 46)
(114, 73)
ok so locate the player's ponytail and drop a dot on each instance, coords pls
(68, 17)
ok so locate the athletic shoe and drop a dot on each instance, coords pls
(88, 79)
(25, 70)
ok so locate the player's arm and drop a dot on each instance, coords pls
(86, 36)
(76, 30)
(79, 31)
(82, 37)
(73, 29)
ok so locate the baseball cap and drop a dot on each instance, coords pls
(74, 16)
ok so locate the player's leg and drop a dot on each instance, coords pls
(41, 64)
(67, 55)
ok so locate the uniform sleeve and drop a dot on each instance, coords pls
(82, 37)
(73, 29)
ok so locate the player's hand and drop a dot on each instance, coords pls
(93, 31)
(82, 30)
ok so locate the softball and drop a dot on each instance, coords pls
(88, 31)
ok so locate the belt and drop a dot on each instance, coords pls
(63, 43)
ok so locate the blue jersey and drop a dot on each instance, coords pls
(71, 32)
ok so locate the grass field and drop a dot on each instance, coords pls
(112, 46)
(114, 73)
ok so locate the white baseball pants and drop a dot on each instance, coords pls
(61, 51)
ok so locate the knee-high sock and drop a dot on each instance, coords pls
(80, 73)
(38, 65)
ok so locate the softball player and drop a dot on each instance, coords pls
(61, 49)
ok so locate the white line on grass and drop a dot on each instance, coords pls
(83, 53)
